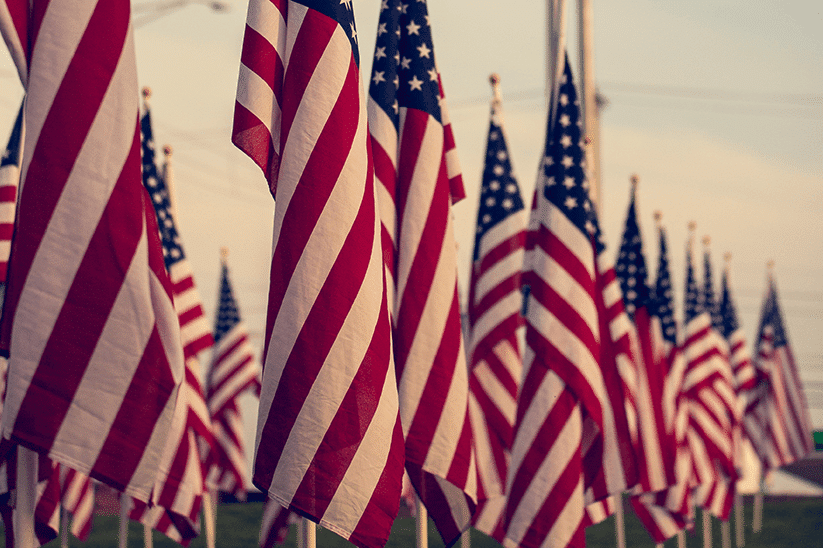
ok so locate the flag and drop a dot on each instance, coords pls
(71, 490)
(664, 513)
(234, 370)
(572, 445)
(415, 162)
(778, 418)
(329, 438)
(655, 444)
(9, 179)
(710, 397)
(14, 26)
(175, 509)
(495, 302)
(275, 526)
(88, 319)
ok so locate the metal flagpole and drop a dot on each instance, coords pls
(588, 97)
(26, 495)
(619, 522)
(707, 529)
(726, 534)
(148, 539)
(738, 519)
(209, 516)
(421, 522)
(124, 520)
(64, 527)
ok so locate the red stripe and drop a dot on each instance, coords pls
(497, 367)
(6, 231)
(410, 143)
(225, 352)
(8, 193)
(251, 136)
(384, 168)
(501, 251)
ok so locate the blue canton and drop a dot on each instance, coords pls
(404, 73)
(693, 303)
(227, 314)
(159, 193)
(564, 178)
(342, 12)
(663, 298)
(728, 312)
(499, 194)
(630, 266)
(710, 304)
(11, 156)
(773, 316)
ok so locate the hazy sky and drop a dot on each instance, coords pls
(718, 106)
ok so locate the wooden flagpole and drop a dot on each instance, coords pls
(148, 539)
(421, 522)
(26, 494)
(681, 539)
(619, 522)
(209, 516)
(707, 529)
(738, 519)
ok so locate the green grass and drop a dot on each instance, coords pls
(790, 523)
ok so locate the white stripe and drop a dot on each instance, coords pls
(502, 231)
(258, 98)
(497, 393)
(501, 310)
(497, 273)
(568, 233)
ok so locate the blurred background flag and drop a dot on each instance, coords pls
(9, 180)
(329, 438)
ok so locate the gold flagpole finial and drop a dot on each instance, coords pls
(146, 92)
(224, 253)
(658, 218)
(494, 80)
(706, 241)
(727, 257)
(635, 178)
(167, 150)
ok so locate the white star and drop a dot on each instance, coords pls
(486, 218)
(428, 24)
(566, 141)
(402, 8)
(548, 161)
(384, 5)
(550, 181)
(587, 205)
(381, 28)
(493, 136)
(353, 33)
(564, 99)
(413, 28)
(416, 84)
(511, 188)
(424, 50)
(397, 57)
(396, 82)
(570, 202)
(508, 203)
(433, 75)
(567, 162)
(568, 182)
(490, 201)
(589, 227)
(501, 155)
(379, 53)
(494, 186)
(348, 4)
(395, 107)
(378, 77)
(404, 63)
(498, 170)
(564, 120)
(563, 79)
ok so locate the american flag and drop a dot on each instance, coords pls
(9, 179)
(655, 443)
(88, 317)
(778, 418)
(419, 178)
(181, 482)
(572, 445)
(495, 302)
(666, 512)
(711, 400)
(275, 526)
(329, 437)
(71, 490)
(234, 370)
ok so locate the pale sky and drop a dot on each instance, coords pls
(718, 106)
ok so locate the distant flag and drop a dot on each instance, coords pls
(416, 164)
(179, 490)
(718, 496)
(14, 26)
(9, 180)
(495, 302)
(300, 115)
(664, 513)
(710, 397)
(96, 358)
(778, 418)
(572, 445)
(74, 492)
(275, 526)
(656, 446)
(234, 370)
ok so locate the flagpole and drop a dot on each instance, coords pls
(64, 527)
(726, 534)
(26, 494)
(738, 519)
(209, 515)
(707, 529)
(555, 44)
(309, 537)
(588, 97)
(124, 521)
(148, 539)
(619, 522)
(421, 521)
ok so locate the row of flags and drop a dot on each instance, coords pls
(366, 374)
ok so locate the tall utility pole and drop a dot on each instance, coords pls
(588, 94)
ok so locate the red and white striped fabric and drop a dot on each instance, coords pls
(779, 421)
(78, 499)
(88, 317)
(712, 403)
(234, 370)
(181, 478)
(9, 180)
(415, 162)
(572, 444)
(329, 437)
(495, 303)
(14, 26)
(275, 526)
